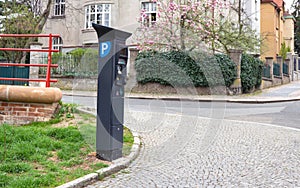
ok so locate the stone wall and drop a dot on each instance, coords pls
(236, 57)
(266, 83)
(22, 105)
(296, 75)
(18, 113)
(35, 58)
(80, 84)
(156, 88)
(286, 79)
(276, 81)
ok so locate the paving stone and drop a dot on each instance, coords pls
(182, 151)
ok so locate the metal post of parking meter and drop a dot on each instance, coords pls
(110, 101)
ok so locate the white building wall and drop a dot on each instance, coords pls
(252, 10)
(71, 27)
(129, 13)
(124, 16)
(68, 26)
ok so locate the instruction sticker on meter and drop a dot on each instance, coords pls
(105, 48)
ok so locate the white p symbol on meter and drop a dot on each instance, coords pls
(105, 48)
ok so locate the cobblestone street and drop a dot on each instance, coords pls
(187, 151)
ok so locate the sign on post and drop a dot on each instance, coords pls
(105, 48)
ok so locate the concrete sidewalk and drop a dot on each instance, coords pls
(283, 93)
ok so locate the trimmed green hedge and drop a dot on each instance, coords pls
(79, 62)
(182, 69)
(251, 72)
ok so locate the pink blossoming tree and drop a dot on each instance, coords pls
(180, 24)
(187, 25)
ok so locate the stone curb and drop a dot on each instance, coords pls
(116, 165)
(249, 100)
(79, 94)
(265, 100)
(207, 99)
(269, 100)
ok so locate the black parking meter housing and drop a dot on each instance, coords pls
(113, 56)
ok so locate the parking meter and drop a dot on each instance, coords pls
(113, 56)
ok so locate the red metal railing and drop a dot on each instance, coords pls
(49, 65)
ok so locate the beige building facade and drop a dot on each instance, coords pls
(277, 27)
(288, 27)
(73, 20)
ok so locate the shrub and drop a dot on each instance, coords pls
(79, 62)
(227, 67)
(78, 52)
(160, 68)
(88, 65)
(251, 72)
(284, 50)
(182, 69)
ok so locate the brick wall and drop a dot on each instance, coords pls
(16, 113)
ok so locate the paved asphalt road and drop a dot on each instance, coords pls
(283, 114)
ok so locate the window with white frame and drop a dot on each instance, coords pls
(148, 13)
(59, 7)
(97, 13)
(57, 43)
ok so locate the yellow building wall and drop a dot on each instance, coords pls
(281, 29)
(288, 34)
(271, 30)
